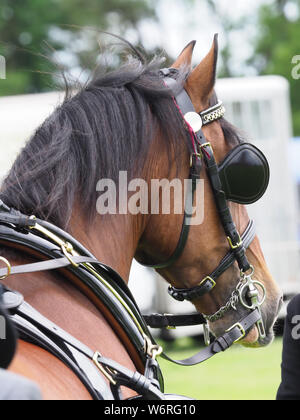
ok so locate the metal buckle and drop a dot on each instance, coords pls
(106, 371)
(66, 247)
(253, 295)
(235, 246)
(210, 279)
(169, 327)
(152, 350)
(197, 155)
(7, 263)
(208, 144)
(68, 251)
(242, 331)
(206, 334)
(248, 273)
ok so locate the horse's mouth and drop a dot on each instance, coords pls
(253, 338)
(254, 341)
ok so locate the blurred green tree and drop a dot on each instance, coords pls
(227, 26)
(29, 28)
(278, 41)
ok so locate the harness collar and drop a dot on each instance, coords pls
(45, 244)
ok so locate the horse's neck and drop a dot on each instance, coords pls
(59, 301)
(112, 240)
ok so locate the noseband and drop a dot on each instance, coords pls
(243, 177)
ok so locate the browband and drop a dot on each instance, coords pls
(213, 114)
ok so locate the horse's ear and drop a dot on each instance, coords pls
(185, 57)
(201, 81)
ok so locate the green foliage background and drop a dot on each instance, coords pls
(28, 28)
(277, 42)
(238, 374)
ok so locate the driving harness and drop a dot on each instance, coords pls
(8, 337)
(242, 177)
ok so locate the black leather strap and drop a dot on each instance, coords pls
(113, 275)
(13, 299)
(99, 284)
(8, 334)
(29, 331)
(208, 284)
(169, 320)
(22, 223)
(222, 343)
(204, 149)
(247, 238)
(133, 380)
(221, 202)
(48, 265)
(195, 171)
(37, 329)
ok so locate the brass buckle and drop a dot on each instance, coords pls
(68, 251)
(152, 350)
(242, 331)
(106, 372)
(169, 327)
(198, 155)
(208, 278)
(208, 144)
(7, 263)
(66, 247)
(235, 246)
(206, 334)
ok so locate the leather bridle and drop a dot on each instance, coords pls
(60, 251)
(203, 154)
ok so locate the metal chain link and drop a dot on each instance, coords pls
(231, 304)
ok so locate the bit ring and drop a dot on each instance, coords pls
(6, 262)
(259, 303)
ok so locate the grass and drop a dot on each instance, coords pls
(237, 374)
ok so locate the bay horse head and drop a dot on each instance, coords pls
(144, 121)
(200, 248)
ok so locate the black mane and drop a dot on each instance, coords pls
(104, 128)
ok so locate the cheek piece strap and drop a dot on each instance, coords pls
(204, 154)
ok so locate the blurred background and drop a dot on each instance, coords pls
(258, 80)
